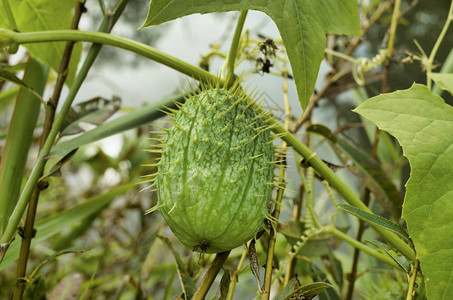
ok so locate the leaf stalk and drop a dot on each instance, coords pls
(229, 81)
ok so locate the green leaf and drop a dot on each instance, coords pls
(55, 170)
(303, 25)
(222, 291)
(308, 291)
(131, 120)
(397, 257)
(55, 224)
(444, 81)
(372, 218)
(423, 125)
(40, 15)
(19, 139)
(93, 111)
(292, 285)
(6, 75)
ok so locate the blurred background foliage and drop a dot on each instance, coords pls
(99, 244)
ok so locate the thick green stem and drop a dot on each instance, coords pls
(437, 45)
(19, 139)
(116, 41)
(234, 48)
(210, 275)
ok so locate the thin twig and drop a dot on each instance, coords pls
(297, 211)
(411, 288)
(352, 276)
(437, 45)
(265, 294)
(390, 45)
(234, 280)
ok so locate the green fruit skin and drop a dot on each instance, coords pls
(214, 179)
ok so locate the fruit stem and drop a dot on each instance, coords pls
(234, 48)
(210, 275)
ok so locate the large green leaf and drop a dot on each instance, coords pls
(444, 81)
(423, 125)
(303, 25)
(37, 15)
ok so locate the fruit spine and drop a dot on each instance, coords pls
(215, 175)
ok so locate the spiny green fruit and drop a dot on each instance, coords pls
(215, 176)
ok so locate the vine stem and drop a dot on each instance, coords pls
(352, 276)
(229, 81)
(112, 40)
(210, 275)
(266, 290)
(390, 44)
(234, 280)
(433, 53)
(393, 25)
(411, 289)
(298, 206)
